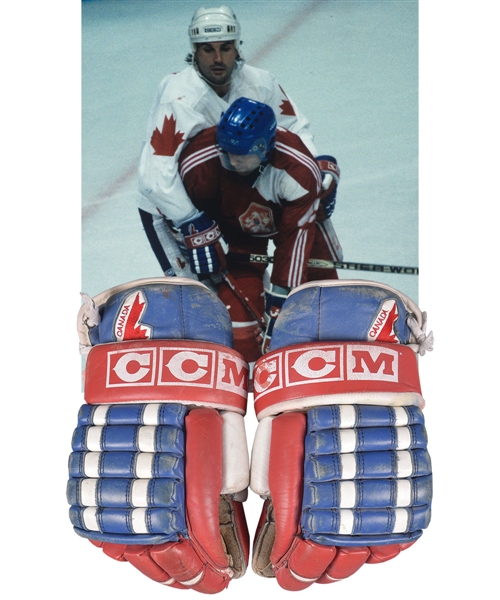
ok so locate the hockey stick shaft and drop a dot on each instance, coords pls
(231, 282)
(328, 264)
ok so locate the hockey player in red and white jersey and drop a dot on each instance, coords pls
(253, 182)
(190, 101)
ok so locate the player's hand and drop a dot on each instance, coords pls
(330, 173)
(201, 236)
(274, 303)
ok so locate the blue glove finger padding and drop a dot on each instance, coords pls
(201, 237)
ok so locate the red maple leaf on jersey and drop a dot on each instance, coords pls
(166, 141)
(286, 106)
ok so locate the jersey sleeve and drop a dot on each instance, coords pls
(300, 185)
(199, 169)
(289, 116)
(171, 124)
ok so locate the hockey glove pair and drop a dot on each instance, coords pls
(160, 468)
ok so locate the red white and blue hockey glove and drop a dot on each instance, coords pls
(330, 173)
(274, 304)
(159, 467)
(201, 237)
(340, 454)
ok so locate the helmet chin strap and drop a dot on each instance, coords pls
(263, 165)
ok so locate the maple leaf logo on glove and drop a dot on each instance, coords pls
(128, 325)
(166, 141)
(382, 328)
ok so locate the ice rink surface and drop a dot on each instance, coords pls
(418, 152)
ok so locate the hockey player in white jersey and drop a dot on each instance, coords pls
(190, 101)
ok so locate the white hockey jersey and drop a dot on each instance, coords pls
(185, 105)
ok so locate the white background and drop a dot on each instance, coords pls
(41, 276)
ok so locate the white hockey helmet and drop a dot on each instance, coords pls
(214, 25)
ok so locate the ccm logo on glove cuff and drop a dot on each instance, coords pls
(205, 238)
(143, 371)
(326, 369)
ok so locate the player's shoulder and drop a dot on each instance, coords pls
(256, 75)
(184, 85)
(201, 142)
(198, 154)
(290, 144)
(173, 79)
(207, 137)
(291, 154)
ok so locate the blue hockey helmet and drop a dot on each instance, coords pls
(247, 127)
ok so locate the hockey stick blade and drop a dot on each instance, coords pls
(328, 264)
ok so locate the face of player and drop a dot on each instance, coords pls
(216, 62)
(244, 165)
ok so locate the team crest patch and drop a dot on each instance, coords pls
(257, 219)
(127, 324)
